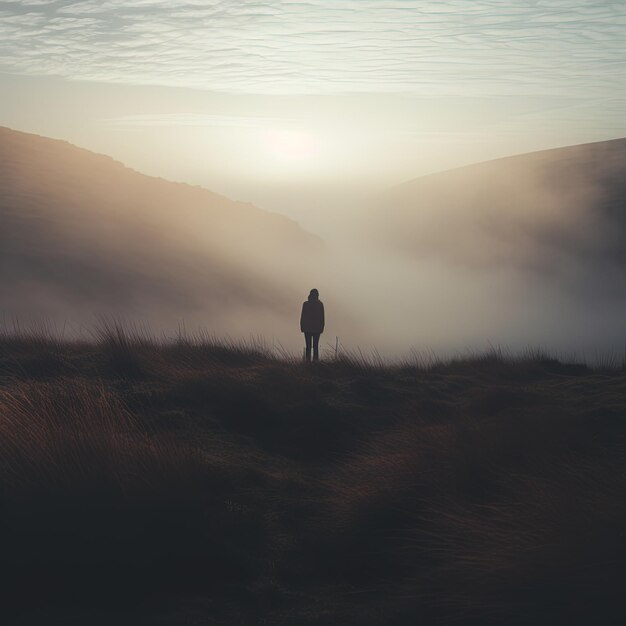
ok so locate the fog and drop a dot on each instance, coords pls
(84, 237)
(526, 252)
(519, 253)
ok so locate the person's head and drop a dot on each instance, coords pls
(314, 294)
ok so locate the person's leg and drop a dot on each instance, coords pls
(308, 340)
(316, 345)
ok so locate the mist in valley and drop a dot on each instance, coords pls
(524, 252)
(518, 253)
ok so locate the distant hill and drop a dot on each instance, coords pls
(81, 233)
(550, 211)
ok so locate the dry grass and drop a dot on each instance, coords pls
(207, 481)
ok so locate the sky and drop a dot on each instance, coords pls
(289, 103)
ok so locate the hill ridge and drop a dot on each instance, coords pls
(83, 233)
(518, 155)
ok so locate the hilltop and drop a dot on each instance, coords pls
(200, 482)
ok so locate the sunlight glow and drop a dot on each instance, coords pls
(289, 145)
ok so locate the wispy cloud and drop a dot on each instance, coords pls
(200, 120)
(424, 47)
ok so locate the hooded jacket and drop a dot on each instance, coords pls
(312, 317)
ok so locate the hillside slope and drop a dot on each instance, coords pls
(545, 211)
(81, 233)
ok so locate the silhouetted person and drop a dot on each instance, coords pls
(312, 324)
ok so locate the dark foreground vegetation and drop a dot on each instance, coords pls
(198, 483)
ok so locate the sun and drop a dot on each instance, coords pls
(290, 145)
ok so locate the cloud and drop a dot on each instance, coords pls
(423, 47)
(199, 120)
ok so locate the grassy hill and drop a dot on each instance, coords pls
(81, 233)
(556, 212)
(197, 482)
